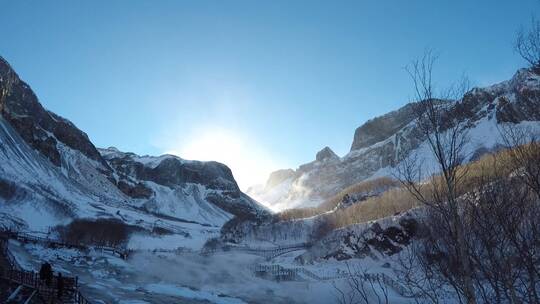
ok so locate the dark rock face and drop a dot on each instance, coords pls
(173, 171)
(382, 127)
(324, 154)
(41, 129)
(87, 172)
(135, 190)
(381, 142)
(238, 204)
(351, 242)
(388, 241)
(392, 239)
(7, 189)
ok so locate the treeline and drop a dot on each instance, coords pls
(479, 230)
(398, 199)
(394, 198)
(96, 232)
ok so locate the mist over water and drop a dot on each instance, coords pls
(227, 274)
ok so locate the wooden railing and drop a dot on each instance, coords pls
(268, 253)
(79, 298)
(47, 292)
(8, 255)
(277, 272)
(29, 238)
(31, 279)
(294, 273)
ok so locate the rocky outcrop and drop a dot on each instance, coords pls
(385, 237)
(324, 154)
(380, 128)
(136, 176)
(173, 171)
(379, 144)
(41, 129)
(48, 163)
(7, 189)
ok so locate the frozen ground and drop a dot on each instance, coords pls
(109, 279)
(148, 277)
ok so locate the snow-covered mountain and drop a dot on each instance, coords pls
(378, 143)
(51, 173)
(186, 189)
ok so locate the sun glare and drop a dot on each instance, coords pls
(249, 163)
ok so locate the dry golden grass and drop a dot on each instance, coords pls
(389, 203)
(398, 199)
(382, 183)
(331, 203)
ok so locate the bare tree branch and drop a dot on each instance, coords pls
(528, 44)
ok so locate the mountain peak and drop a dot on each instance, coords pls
(325, 153)
(44, 131)
(382, 127)
(378, 143)
(5, 66)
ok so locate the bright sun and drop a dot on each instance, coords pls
(250, 164)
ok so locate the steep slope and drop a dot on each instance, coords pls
(378, 142)
(51, 173)
(207, 190)
(41, 129)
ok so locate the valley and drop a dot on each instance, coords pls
(435, 202)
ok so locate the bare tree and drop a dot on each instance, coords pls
(528, 44)
(522, 226)
(500, 210)
(523, 146)
(446, 138)
(362, 287)
(493, 221)
(417, 276)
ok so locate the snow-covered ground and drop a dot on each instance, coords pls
(148, 277)
(494, 106)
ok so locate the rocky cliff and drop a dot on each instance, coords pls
(51, 173)
(379, 143)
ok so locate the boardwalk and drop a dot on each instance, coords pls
(14, 273)
(272, 271)
(268, 253)
(279, 273)
(29, 238)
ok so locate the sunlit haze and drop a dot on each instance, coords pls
(367, 172)
(249, 163)
(276, 80)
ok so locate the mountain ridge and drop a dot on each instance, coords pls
(51, 173)
(380, 142)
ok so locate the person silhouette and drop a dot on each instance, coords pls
(47, 273)
(60, 285)
(42, 272)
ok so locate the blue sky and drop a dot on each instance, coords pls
(259, 85)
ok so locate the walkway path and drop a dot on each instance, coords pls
(269, 252)
(29, 281)
(275, 271)
(300, 273)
